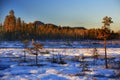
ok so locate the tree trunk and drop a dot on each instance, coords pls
(106, 63)
(36, 59)
(24, 56)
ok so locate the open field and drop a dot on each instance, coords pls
(59, 64)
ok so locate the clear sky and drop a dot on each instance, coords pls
(74, 13)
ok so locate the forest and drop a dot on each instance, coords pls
(15, 28)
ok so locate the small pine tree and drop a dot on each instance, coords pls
(84, 63)
(61, 60)
(105, 33)
(25, 42)
(36, 49)
(95, 55)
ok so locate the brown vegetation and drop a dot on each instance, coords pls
(16, 29)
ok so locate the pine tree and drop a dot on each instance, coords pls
(18, 24)
(25, 42)
(105, 33)
(10, 22)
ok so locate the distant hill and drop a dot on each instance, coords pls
(80, 28)
(51, 25)
(37, 23)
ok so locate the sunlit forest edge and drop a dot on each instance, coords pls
(15, 28)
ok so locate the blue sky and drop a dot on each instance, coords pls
(86, 13)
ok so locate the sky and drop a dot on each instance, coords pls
(74, 13)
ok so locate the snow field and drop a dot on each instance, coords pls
(18, 70)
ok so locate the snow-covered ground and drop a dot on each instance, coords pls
(63, 44)
(12, 66)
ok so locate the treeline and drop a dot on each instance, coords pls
(16, 29)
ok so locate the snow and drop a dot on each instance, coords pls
(63, 44)
(12, 66)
